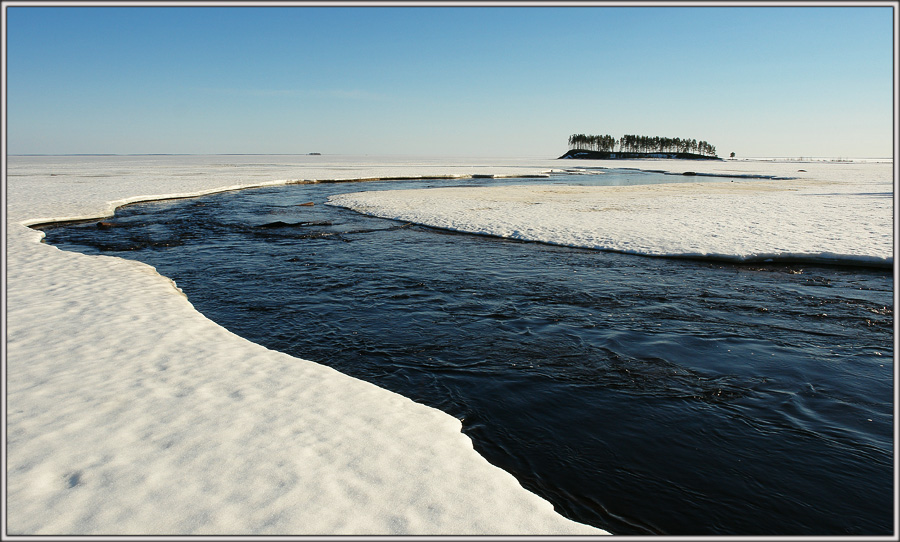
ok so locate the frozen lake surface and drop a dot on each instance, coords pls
(642, 395)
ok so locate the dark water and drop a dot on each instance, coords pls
(641, 395)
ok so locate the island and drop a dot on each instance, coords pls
(606, 147)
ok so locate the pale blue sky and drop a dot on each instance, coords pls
(477, 81)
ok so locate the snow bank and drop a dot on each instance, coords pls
(814, 212)
(131, 413)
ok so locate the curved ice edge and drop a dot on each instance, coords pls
(731, 175)
(113, 206)
(690, 173)
(822, 258)
(818, 258)
(31, 225)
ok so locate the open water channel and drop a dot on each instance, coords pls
(641, 395)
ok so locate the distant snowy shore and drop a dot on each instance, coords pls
(131, 413)
(835, 213)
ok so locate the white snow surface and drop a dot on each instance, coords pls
(128, 412)
(830, 212)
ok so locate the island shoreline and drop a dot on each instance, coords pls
(582, 154)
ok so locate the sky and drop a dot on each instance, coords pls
(813, 81)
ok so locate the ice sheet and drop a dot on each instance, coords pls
(820, 212)
(130, 412)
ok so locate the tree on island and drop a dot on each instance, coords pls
(643, 144)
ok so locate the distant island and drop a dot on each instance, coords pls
(603, 147)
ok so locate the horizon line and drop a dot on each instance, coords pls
(363, 154)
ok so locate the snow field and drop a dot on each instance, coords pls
(839, 215)
(131, 413)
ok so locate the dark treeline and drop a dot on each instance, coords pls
(636, 143)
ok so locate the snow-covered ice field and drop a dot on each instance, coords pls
(832, 213)
(130, 412)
